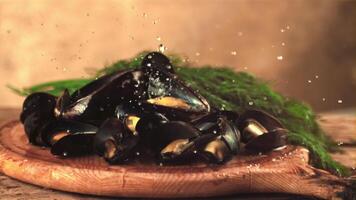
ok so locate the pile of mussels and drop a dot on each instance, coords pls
(148, 109)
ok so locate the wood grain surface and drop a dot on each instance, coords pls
(285, 171)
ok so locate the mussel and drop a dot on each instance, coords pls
(261, 131)
(38, 102)
(114, 141)
(147, 107)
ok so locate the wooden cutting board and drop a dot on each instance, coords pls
(284, 171)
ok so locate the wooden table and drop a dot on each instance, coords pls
(344, 124)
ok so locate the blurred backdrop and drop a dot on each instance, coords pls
(305, 49)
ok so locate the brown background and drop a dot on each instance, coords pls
(45, 40)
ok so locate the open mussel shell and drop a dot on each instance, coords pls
(167, 90)
(164, 89)
(261, 131)
(268, 141)
(63, 101)
(114, 142)
(173, 141)
(33, 126)
(39, 102)
(171, 131)
(156, 61)
(265, 119)
(55, 130)
(216, 151)
(69, 138)
(99, 99)
(227, 141)
(221, 123)
(148, 124)
(74, 145)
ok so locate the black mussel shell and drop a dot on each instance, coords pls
(129, 115)
(261, 131)
(63, 101)
(216, 151)
(33, 126)
(149, 123)
(40, 102)
(229, 115)
(221, 123)
(268, 141)
(206, 121)
(167, 90)
(98, 100)
(74, 145)
(156, 61)
(230, 135)
(55, 130)
(265, 119)
(171, 131)
(178, 142)
(114, 142)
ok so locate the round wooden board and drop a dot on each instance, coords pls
(284, 171)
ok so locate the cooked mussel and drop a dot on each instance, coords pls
(57, 129)
(98, 100)
(114, 142)
(174, 141)
(261, 131)
(33, 125)
(227, 141)
(38, 102)
(69, 138)
(74, 145)
(148, 124)
(156, 61)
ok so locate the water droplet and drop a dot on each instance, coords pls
(265, 98)
(250, 103)
(148, 64)
(137, 153)
(233, 53)
(339, 101)
(324, 99)
(195, 151)
(65, 154)
(287, 27)
(282, 30)
(197, 54)
(160, 164)
(309, 81)
(279, 57)
(316, 76)
(283, 44)
(162, 48)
